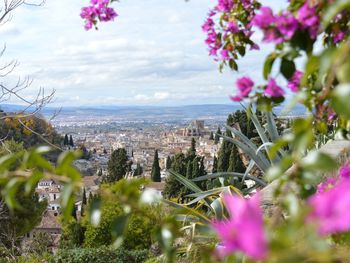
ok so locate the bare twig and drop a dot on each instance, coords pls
(40, 135)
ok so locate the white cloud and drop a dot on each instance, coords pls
(152, 53)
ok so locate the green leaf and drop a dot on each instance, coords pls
(227, 174)
(302, 40)
(264, 104)
(268, 64)
(259, 159)
(341, 100)
(6, 161)
(311, 67)
(9, 193)
(287, 68)
(233, 65)
(218, 208)
(67, 200)
(334, 9)
(211, 192)
(33, 181)
(187, 210)
(343, 72)
(95, 212)
(241, 50)
(318, 161)
(183, 180)
(119, 225)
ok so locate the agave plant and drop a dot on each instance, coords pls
(206, 206)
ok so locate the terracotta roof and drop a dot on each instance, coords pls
(156, 185)
(49, 220)
(90, 181)
(47, 190)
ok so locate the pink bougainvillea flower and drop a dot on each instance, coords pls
(208, 24)
(309, 19)
(244, 230)
(97, 11)
(344, 171)
(338, 36)
(232, 27)
(287, 24)
(225, 55)
(264, 19)
(275, 28)
(225, 5)
(294, 82)
(244, 86)
(326, 185)
(331, 209)
(273, 90)
(331, 204)
(272, 35)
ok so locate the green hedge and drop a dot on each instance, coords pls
(101, 255)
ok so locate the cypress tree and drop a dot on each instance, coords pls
(155, 175)
(117, 165)
(196, 167)
(65, 141)
(202, 171)
(189, 170)
(90, 197)
(232, 161)
(217, 137)
(82, 210)
(138, 170)
(240, 167)
(172, 187)
(168, 163)
(191, 153)
(230, 120)
(215, 165)
(211, 137)
(71, 143)
(84, 197)
(74, 212)
(224, 154)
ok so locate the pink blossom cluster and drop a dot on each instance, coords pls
(97, 11)
(294, 81)
(339, 28)
(244, 230)
(219, 40)
(331, 204)
(282, 27)
(325, 113)
(272, 89)
(244, 86)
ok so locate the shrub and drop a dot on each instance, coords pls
(102, 255)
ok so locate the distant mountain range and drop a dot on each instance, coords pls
(206, 111)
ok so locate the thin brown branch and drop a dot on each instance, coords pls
(40, 135)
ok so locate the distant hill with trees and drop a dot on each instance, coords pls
(31, 130)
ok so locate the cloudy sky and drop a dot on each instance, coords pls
(153, 54)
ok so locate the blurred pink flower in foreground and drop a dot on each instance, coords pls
(273, 90)
(294, 81)
(331, 204)
(244, 86)
(244, 230)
